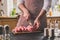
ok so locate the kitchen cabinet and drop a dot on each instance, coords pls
(53, 19)
(9, 21)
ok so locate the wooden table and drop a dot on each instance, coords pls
(11, 21)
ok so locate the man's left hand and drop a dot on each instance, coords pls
(37, 23)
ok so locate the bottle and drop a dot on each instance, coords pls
(1, 33)
(51, 30)
(56, 28)
(59, 28)
(7, 34)
(50, 12)
(46, 30)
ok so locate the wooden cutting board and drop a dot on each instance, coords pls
(24, 32)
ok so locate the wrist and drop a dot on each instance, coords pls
(25, 10)
(38, 17)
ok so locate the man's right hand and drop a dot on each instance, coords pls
(26, 14)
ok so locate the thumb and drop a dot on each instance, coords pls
(35, 24)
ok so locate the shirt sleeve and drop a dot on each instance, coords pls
(19, 2)
(47, 5)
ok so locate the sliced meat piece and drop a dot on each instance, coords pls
(35, 27)
(15, 29)
(29, 28)
(21, 28)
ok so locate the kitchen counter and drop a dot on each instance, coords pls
(17, 17)
(52, 19)
(7, 17)
(29, 36)
(11, 21)
(53, 16)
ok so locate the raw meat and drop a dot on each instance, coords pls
(27, 25)
(21, 28)
(29, 28)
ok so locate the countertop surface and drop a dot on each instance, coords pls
(17, 17)
(30, 36)
(8, 17)
(53, 16)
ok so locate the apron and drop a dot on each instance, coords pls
(34, 7)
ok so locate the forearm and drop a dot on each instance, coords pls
(42, 12)
(45, 8)
(22, 7)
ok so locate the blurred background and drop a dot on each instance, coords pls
(7, 6)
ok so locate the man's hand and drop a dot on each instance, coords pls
(26, 14)
(36, 23)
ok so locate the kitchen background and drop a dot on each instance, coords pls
(7, 7)
(9, 11)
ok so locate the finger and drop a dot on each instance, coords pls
(37, 25)
(30, 23)
(34, 22)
